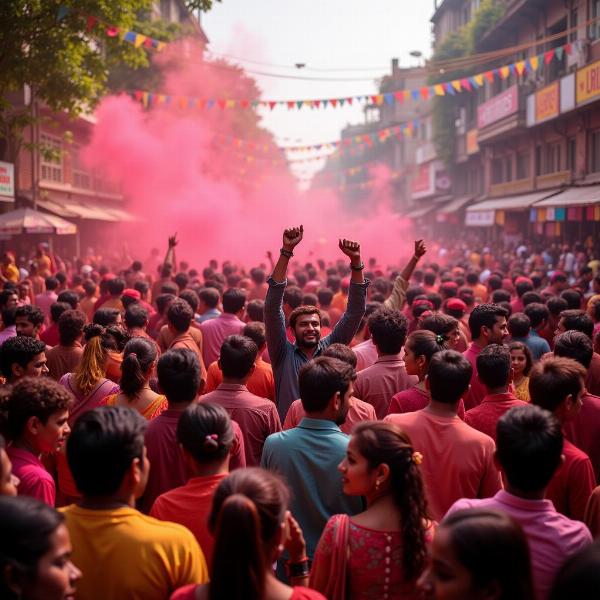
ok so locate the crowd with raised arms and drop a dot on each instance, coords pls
(333, 429)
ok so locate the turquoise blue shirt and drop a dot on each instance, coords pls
(307, 457)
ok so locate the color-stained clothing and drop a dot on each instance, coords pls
(475, 394)
(261, 382)
(35, 481)
(124, 554)
(190, 506)
(63, 359)
(7, 333)
(358, 412)
(551, 536)
(573, 483)
(286, 358)
(44, 301)
(153, 410)
(257, 417)
(485, 417)
(592, 381)
(414, 399)
(366, 354)
(379, 382)
(458, 461)
(307, 457)
(584, 430)
(522, 390)
(214, 332)
(50, 335)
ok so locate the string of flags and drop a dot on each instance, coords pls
(451, 88)
(133, 37)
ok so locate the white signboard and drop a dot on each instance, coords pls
(480, 218)
(7, 180)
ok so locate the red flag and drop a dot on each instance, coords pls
(399, 97)
(112, 31)
(548, 56)
(291, 105)
(244, 103)
(333, 102)
(222, 103)
(349, 101)
(138, 95)
(490, 76)
(568, 49)
(91, 21)
(425, 93)
(273, 104)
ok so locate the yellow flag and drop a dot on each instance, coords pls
(139, 40)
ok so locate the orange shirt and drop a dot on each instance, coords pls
(261, 382)
(87, 305)
(339, 301)
(190, 505)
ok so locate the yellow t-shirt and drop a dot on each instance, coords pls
(126, 555)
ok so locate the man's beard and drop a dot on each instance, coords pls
(302, 343)
(340, 418)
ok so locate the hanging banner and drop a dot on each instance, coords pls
(588, 83)
(547, 102)
(498, 107)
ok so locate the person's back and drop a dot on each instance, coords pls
(458, 461)
(122, 553)
(307, 456)
(66, 357)
(529, 452)
(493, 368)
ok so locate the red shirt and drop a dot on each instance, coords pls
(477, 392)
(572, 485)
(50, 335)
(35, 481)
(415, 399)
(592, 381)
(257, 417)
(485, 417)
(584, 430)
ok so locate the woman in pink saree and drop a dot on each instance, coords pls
(379, 553)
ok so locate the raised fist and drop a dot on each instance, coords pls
(292, 237)
(351, 249)
(420, 248)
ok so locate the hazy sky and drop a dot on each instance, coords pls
(323, 34)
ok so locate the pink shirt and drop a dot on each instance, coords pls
(366, 354)
(485, 417)
(552, 537)
(414, 399)
(379, 382)
(359, 411)
(214, 332)
(167, 464)
(258, 417)
(44, 301)
(458, 461)
(584, 430)
(35, 481)
(475, 394)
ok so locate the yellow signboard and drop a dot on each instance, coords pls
(472, 144)
(588, 82)
(547, 102)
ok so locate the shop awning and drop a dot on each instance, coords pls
(573, 196)
(417, 213)
(455, 204)
(523, 201)
(27, 220)
(80, 210)
(56, 208)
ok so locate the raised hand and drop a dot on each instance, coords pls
(420, 248)
(351, 249)
(295, 544)
(173, 241)
(292, 237)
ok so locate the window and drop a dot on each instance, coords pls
(553, 158)
(508, 168)
(572, 24)
(51, 161)
(523, 165)
(81, 178)
(595, 152)
(571, 154)
(594, 13)
(498, 170)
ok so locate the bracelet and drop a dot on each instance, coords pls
(298, 569)
(286, 253)
(359, 268)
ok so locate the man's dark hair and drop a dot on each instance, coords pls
(553, 379)
(106, 316)
(531, 297)
(556, 305)
(162, 301)
(142, 287)
(61, 277)
(519, 326)
(341, 352)
(180, 315)
(412, 292)
(255, 309)
(178, 373)
(116, 286)
(9, 316)
(537, 313)
(257, 275)
(472, 278)
(191, 298)
(51, 283)
(237, 356)
(578, 320)
(529, 444)
(90, 287)
(57, 309)
(234, 300)
(523, 286)
(320, 379)
(70, 326)
(333, 283)
(388, 329)
(435, 299)
(71, 298)
(301, 311)
(484, 315)
(576, 345)
(256, 332)
(136, 316)
(292, 296)
(573, 298)
(493, 366)
(449, 376)
(494, 282)
(210, 296)
(32, 313)
(169, 287)
(21, 350)
(501, 296)
(182, 280)
(429, 278)
(310, 299)
(102, 445)
(325, 296)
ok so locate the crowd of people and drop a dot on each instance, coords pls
(331, 430)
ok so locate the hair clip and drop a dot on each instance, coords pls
(417, 458)
(212, 436)
(439, 339)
